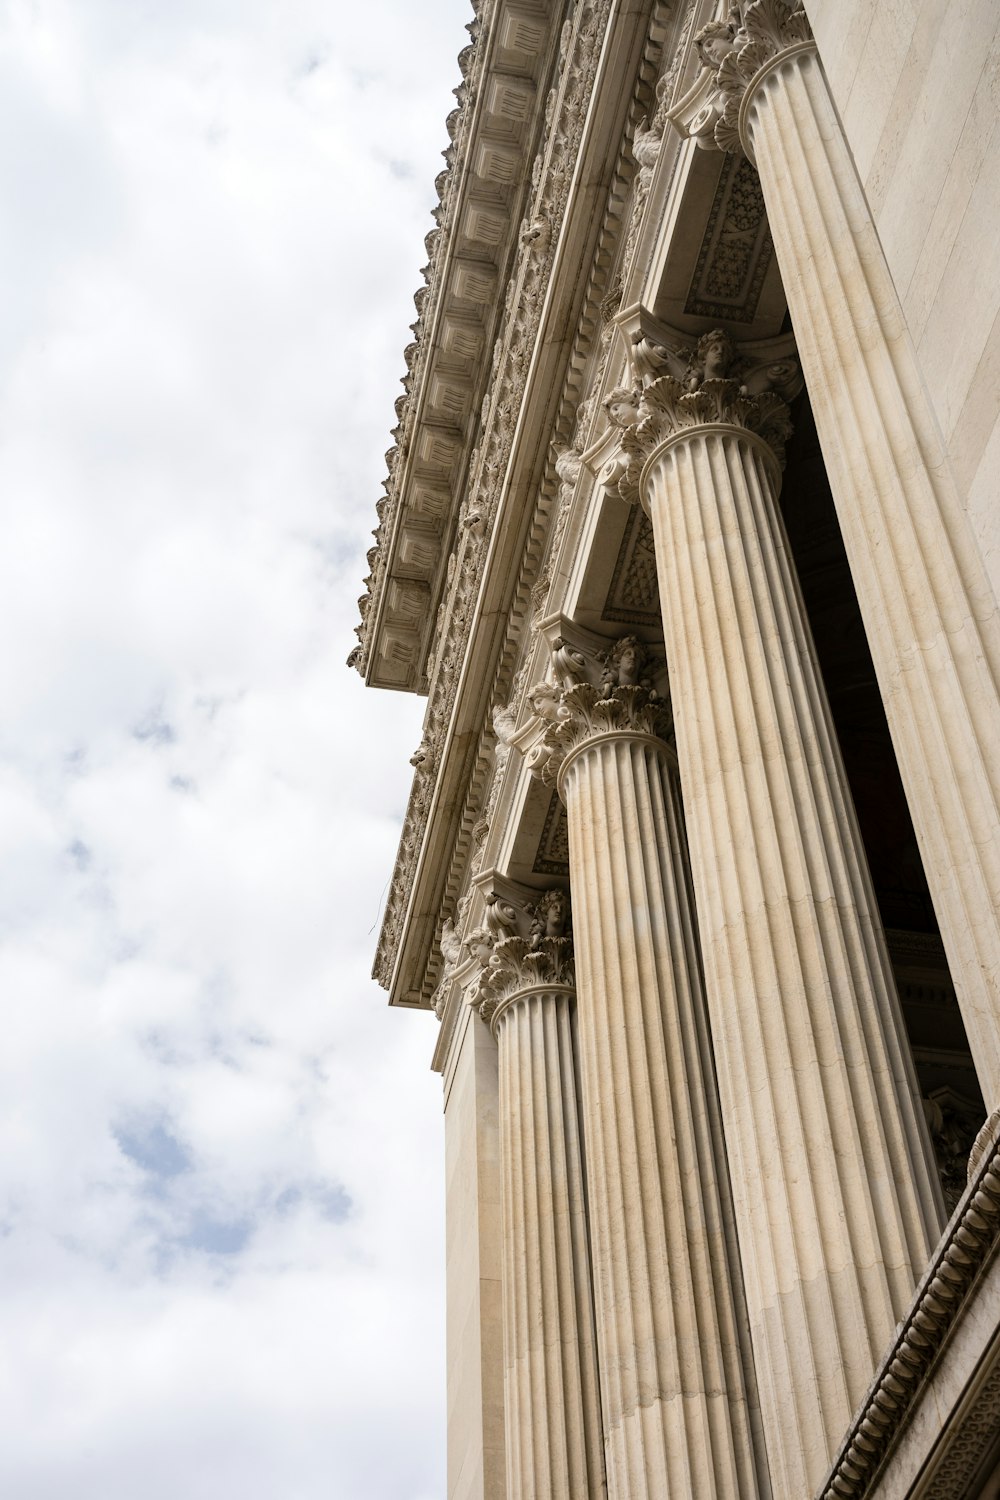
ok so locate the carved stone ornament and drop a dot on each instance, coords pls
(450, 944)
(949, 1281)
(734, 51)
(707, 384)
(521, 947)
(595, 696)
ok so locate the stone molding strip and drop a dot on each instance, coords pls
(969, 1243)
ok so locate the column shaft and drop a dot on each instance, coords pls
(929, 612)
(675, 1409)
(552, 1403)
(836, 1200)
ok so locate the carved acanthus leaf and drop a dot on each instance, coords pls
(734, 51)
(516, 966)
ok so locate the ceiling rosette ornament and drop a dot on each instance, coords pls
(734, 51)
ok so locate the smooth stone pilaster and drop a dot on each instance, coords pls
(476, 1436)
(836, 1200)
(929, 612)
(552, 1400)
(676, 1414)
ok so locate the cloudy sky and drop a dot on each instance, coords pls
(221, 1246)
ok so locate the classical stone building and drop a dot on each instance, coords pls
(690, 538)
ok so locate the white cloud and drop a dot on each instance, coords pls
(220, 1204)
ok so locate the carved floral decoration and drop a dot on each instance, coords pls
(735, 50)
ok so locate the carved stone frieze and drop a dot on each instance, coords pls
(958, 1469)
(648, 139)
(583, 36)
(452, 952)
(734, 51)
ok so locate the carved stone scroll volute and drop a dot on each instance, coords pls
(679, 385)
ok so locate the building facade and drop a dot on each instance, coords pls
(690, 539)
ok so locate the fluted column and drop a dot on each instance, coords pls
(928, 609)
(836, 1202)
(675, 1409)
(551, 1395)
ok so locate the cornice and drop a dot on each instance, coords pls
(945, 1292)
(494, 131)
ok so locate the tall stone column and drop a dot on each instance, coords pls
(928, 609)
(676, 1416)
(837, 1206)
(551, 1394)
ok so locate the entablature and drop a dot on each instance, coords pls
(559, 280)
(495, 134)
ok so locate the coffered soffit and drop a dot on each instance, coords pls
(706, 256)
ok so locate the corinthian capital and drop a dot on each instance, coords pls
(522, 946)
(668, 407)
(734, 51)
(679, 386)
(588, 714)
(596, 693)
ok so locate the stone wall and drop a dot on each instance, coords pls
(917, 85)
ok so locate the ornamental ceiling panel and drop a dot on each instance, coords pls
(634, 595)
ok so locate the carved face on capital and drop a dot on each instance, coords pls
(546, 701)
(552, 914)
(627, 660)
(714, 43)
(622, 407)
(715, 354)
